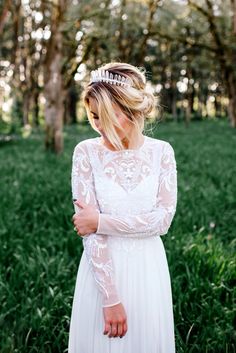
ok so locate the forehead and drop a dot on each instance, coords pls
(93, 106)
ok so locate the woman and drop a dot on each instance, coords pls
(124, 186)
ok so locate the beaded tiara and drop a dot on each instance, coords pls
(101, 75)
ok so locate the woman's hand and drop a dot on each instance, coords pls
(115, 320)
(86, 221)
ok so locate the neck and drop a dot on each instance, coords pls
(133, 142)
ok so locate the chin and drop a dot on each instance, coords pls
(103, 135)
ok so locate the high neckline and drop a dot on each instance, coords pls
(124, 150)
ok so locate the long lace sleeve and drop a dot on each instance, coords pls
(95, 246)
(156, 222)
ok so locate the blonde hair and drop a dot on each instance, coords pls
(135, 102)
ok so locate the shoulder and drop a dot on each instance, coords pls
(84, 145)
(160, 144)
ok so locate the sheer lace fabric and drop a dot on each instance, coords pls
(95, 246)
(135, 193)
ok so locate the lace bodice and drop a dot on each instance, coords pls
(135, 193)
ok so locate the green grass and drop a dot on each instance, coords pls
(40, 252)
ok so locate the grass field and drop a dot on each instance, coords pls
(40, 252)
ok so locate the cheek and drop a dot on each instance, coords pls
(122, 120)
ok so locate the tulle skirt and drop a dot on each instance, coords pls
(143, 282)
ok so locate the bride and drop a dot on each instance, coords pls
(124, 186)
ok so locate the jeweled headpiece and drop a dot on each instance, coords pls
(101, 75)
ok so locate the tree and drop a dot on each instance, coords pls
(54, 91)
(224, 48)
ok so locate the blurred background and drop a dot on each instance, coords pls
(47, 50)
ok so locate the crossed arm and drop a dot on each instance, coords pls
(156, 222)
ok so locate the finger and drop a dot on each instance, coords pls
(113, 331)
(80, 203)
(120, 329)
(81, 231)
(107, 328)
(74, 217)
(125, 328)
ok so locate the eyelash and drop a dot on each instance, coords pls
(95, 117)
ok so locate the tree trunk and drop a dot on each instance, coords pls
(187, 114)
(174, 107)
(232, 101)
(35, 108)
(71, 103)
(3, 16)
(233, 3)
(217, 105)
(26, 105)
(54, 91)
(54, 94)
(54, 110)
(173, 98)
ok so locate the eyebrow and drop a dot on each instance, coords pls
(93, 113)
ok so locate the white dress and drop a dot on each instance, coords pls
(135, 193)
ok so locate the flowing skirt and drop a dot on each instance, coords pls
(143, 282)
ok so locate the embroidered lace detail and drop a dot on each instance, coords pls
(153, 222)
(135, 192)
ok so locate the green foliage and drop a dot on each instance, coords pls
(40, 252)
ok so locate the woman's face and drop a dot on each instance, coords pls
(123, 119)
